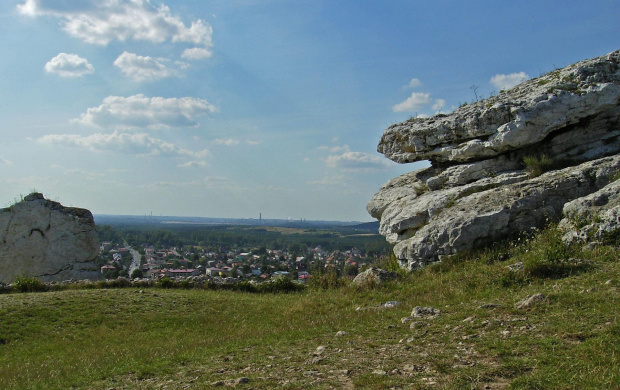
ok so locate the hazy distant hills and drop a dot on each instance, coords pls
(125, 220)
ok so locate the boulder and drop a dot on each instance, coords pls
(43, 239)
(373, 277)
(504, 165)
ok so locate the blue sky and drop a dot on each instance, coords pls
(235, 108)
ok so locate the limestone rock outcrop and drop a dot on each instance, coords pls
(593, 218)
(503, 165)
(43, 239)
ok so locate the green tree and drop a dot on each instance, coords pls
(137, 273)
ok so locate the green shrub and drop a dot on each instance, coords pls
(326, 280)
(388, 263)
(166, 283)
(537, 165)
(25, 284)
(280, 285)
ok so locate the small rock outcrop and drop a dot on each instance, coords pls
(43, 239)
(503, 165)
(373, 277)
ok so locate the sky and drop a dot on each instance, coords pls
(237, 108)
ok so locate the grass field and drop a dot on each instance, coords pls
(156, 338)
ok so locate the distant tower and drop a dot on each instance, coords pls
(260, 216)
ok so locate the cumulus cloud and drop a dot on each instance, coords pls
(210, 182)
(196, 53)
(193, 164)
(335, 149)
(416, 101)
(129, 143)
(139, 68)
(226, 142)
(439, 104)
(356, 161)
(507, 81)
(100, 22)
(415, 83)
(141, 111)
(69, 65)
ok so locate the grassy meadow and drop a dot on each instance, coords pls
(335, 337)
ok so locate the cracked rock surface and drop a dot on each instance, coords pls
(478, 188)
(43, 239)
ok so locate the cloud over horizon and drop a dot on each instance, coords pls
(129, 143)
(196, 53)
(507, 81)
(416, 101)
(100, 22)
(144, 68)
(69, 65)
(353, 161)
(139, 111)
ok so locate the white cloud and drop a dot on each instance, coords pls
(100, 22)
(356, 161)
(330, 181)
(129, 143)
(415, 83)
(439, 104)
(139, 68)
(69, 65)
(507, 81)
(210, 182)
(253, 142)
(335, 149)
(416, 101)
(193, 164)
(84, 174)
(4, 161)
(196, 53)
(141, 111)
(226, 142)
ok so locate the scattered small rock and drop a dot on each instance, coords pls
(413, 368)
(315, 360)
(417, 324)
(379, 372)
(425, 312)
(341, 333)
(320, 349)
(516, 267)
(238, 381)
(530, 300)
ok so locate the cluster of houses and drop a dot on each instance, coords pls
(224, 262)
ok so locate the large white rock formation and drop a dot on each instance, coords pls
(478, 188)
(43, 239)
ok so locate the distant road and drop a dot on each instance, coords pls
(135, 262)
